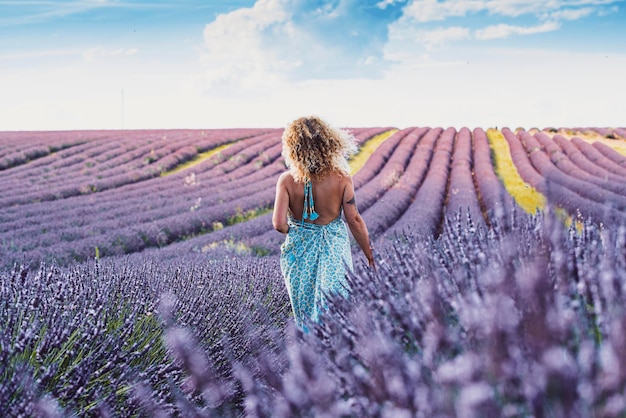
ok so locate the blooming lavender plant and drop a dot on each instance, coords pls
(593, 154)
(90, 338)
(524, 321)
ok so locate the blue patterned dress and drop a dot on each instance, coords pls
(314, 261)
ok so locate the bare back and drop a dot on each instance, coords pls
(328, 196)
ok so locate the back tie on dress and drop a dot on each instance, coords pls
(309, 206)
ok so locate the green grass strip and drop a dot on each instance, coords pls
(367, 149)
(197, 159)
(524, 194)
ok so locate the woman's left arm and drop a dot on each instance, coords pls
(281, 206)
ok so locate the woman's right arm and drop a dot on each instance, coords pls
(356, 223)
(281, 206)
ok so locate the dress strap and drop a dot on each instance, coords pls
(309, 206)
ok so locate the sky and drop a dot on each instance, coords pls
(160, 64)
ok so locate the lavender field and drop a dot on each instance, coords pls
(139, 277)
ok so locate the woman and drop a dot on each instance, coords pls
(310, 199)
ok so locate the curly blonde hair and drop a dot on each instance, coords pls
(312, 148)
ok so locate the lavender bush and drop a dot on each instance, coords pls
(383, 213)
(426, 210)
(584, 162)
(495, 201)
(525, 318)
(524, 321)
(611, 153)
(89, 340)
(462, 193)
(594, 155)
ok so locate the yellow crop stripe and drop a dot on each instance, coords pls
(367, 149)
(524, 194)
(197, 160)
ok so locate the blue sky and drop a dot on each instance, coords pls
(143, 64)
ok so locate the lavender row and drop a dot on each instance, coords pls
(100, 149)
(97, 217)
(17, 148)
(126, 235)
(165, 159)
(131, 194)
(536, 169)
(610, 133)
(89, 227)
(495, 200)
(377, 160)
(569, 160)
(387, 210)
(92, 340)
(521, 160)
(527, 321)
(424, 215)
(562, 171)
(595, 156)
(610, 153)
(462, 195)
(255, 236)
(124, 174)
(391, 172)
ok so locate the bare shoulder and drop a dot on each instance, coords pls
(285, 178)
(344, 180)
(344, 184)
(340, 178)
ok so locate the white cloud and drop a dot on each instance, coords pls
(296, 40)
(608, 11)
(278, 41)
(414, 29)
(384, 3)
(570, 14)
(93, 54)
(234, 48)
(254, 61)
(46, 53)
(515, 8)
(502, 87)
(433, 10)
(440, 36)
(502, 31)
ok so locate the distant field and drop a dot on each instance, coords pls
(71, 196)
(140, 276)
